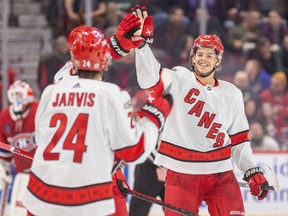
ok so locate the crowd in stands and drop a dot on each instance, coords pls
(254, 34)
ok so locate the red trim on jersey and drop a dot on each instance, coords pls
(188, 155)
(131, 153)
(239, 138)
(69, 196)
(203, 84)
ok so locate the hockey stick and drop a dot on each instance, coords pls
(263, 187)
(150, 199)
(274, 187)
(117, 165)
(22, 153)
(15, 150)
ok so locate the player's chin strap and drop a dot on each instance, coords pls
(125, 191)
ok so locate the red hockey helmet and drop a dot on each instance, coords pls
(20, 94)
(90, 50)
(208, 40)
(75, 33)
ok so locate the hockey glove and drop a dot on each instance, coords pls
(158, 106)
(255, 179)
(121, 43)
(119, 184)
(147, 28)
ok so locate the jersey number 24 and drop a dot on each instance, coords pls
(78, 131)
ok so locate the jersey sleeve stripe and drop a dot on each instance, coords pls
(131, 153)
(239, 138)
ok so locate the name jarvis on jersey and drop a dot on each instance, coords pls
(74, 99)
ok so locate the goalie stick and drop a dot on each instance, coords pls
(15, 150)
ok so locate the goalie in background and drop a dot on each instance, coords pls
(17, 129)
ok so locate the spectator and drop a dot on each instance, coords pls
(75, 12)
(117, 9)
(260, 140)
(259, 79)
(284, 53)
(11, 77)
(168, 29)
(267, 118)
(241, 80)
(244, 36)
(122, 73)
(251, 110)
(275, 28)
(269, 58)
(49, 65)
(277, 93)
(213, 23)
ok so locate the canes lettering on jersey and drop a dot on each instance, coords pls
(206, 118)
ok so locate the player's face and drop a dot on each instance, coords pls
(205, 60)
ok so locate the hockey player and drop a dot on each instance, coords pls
(81, 125)
(17, 129)
(206, 129)
(69, 72)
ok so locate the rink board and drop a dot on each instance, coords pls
(276, 203)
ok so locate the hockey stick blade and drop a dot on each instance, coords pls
(263, 187)
(153, 200)
(15, 150)
(275, 178)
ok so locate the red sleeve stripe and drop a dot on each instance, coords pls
(188, 155)
(131, 153)
(239, 138)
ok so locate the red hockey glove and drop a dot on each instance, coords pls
(147, 23)
(119, 184)
(158, 106)
(255, 179)
(121, 43)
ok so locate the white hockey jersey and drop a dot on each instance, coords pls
(64, 72)
(207, 125)
(81, 126)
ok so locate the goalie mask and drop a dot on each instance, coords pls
(90, 50)
(19, 95)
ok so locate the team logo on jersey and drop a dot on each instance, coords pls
(24, 141)
(77, 85)
(8, 129)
